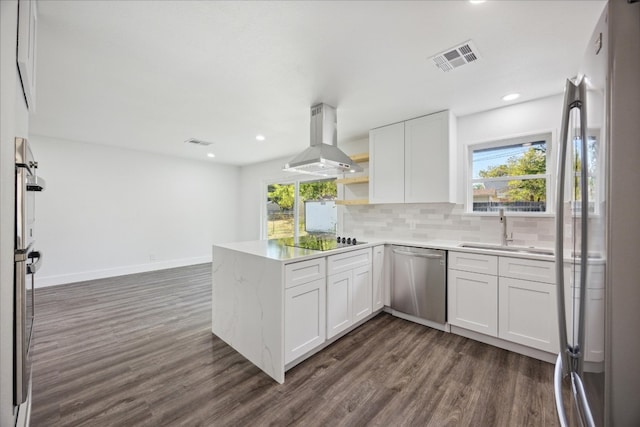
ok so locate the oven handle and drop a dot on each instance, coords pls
(34, 265)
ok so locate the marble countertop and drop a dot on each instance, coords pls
(275, 250)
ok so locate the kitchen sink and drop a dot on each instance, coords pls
(516, 249)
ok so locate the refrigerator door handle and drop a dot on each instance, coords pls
(580, 397)
(557, 387)
(570, 101)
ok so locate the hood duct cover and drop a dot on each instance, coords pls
(323, 157)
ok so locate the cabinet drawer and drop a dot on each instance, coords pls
(528, 269)
(348, 260)
(475, 263)
(301, 272)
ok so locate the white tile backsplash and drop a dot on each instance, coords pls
(446, 221)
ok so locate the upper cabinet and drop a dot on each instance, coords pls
(27, 37)
(386, 164)
(414, 161)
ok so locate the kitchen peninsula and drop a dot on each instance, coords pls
(253, 283)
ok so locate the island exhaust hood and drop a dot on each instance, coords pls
(323, 157)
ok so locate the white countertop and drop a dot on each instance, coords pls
(277, 251)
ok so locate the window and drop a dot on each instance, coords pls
(301, 208)
(510, 174)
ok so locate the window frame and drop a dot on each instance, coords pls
(548, 136)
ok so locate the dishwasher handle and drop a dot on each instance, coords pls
(430, 256)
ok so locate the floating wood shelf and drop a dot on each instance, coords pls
(353, 202)
(354, 180)
(360, 158)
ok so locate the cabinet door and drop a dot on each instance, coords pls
(473, 301)
(305, 321)
(528, 313)
(378, 278)
(595, 309)
(361, 298)
(386, 164)
(426, 159)
(339, 305)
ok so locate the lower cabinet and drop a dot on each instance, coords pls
(349, 288)
(488, 294)
(339, 302)
(378, 279)
(473, 301)
(594, 308)
(361, 300)
(528, 313)
(305, 320)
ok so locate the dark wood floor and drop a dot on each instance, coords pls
(138, 350)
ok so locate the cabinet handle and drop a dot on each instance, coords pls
(430, 256)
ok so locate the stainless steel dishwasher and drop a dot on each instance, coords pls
(418, 285)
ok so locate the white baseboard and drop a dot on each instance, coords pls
(44, 281)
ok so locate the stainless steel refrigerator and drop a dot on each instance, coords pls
(592, 117)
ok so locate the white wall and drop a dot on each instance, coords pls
(13, 122)
(109, 211)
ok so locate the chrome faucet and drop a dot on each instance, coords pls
(504, 237)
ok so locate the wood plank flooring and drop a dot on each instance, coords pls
(138, 351)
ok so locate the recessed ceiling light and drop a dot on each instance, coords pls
(511, 96)
(260, 137)
(476, 1)
(211, 155)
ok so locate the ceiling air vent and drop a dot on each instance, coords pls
(456, 57)
(195, 141)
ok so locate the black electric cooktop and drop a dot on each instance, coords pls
(321, 243)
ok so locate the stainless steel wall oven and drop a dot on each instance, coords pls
(27, 261)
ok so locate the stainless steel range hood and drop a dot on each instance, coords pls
(323, 157)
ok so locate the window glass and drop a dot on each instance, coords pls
(280, 213)
(314, 203)
(511, 175)
(317, 207)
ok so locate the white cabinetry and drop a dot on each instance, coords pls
(527, 308)
(378, 282)
(594, 308)
(414, 161)
(305, 307)
(386, 164)
(349, 284)
(472, 289)
(510, 298)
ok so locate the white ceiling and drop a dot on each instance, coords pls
(149, 75)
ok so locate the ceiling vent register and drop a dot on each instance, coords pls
(456, 57)
(195, 141)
